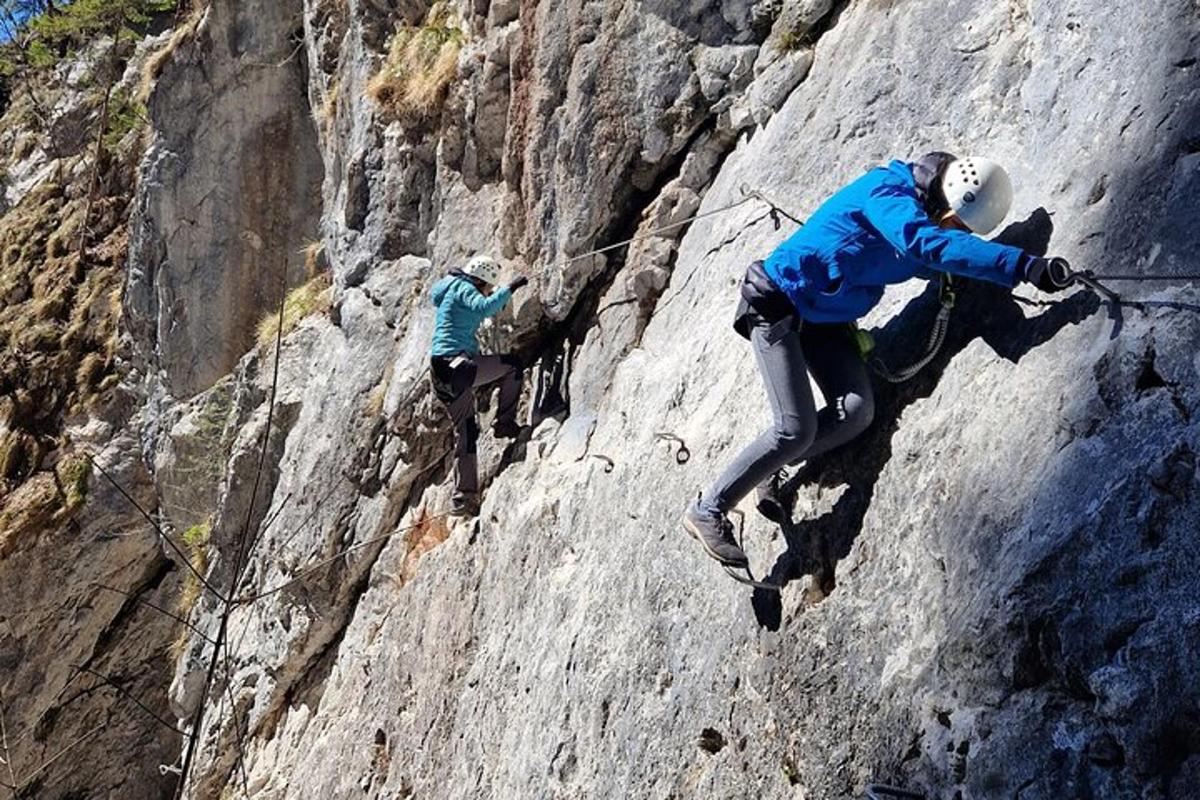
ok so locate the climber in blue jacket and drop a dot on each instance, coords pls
(464, 299)
(896, 222)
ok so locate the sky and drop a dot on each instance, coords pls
(21, 15)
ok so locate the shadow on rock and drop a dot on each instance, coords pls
(983, 311)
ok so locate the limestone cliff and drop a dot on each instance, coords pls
(992, 594)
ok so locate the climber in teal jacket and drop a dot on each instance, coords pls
(464, 299)
(896, 222)
(462, 306)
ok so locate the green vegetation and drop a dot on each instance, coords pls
(63, 245)
(195, 540)
(307, 299)
(420, 64)
(47, 500)
(73, 473)
(39, 33)
(791, 41)
(125, 114)
(211, 421)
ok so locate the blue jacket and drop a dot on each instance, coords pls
(873, 233)
(461, 309)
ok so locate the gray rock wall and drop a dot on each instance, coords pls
(229, 193)
(990, 594)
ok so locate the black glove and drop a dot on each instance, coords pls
(517, 283)
(1049, 274)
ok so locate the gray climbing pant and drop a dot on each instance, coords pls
(455, 378)
(787, 352)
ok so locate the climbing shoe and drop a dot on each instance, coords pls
(506, 429)
(464, 504)
(715, 534)
(773, 502)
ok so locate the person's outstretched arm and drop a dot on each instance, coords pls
(895, 213)
(480, 303)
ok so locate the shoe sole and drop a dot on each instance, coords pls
(695, 534)
(772, 511)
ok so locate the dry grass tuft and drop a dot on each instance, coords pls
(43, 502)
(328, 112)
(379, 393)
(793, 41)
(31, 509)
(159, 60)
(314, 258)
(305, 300)
(420, 64)
(74, 471)
(195, 545)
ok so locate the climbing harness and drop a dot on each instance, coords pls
(736, 573)
(863, 341)
(937, 337)
(683, 454)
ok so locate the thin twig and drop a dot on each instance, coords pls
(101, 127)
(278, 65)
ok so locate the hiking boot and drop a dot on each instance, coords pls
(506, 429)
(715, 534)
(464, 504)
(772, 501)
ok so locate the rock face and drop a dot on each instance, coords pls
(79, 638)
(991, 594)
(228, 193)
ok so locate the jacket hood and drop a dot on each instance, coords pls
(927, 172)
(441, 288)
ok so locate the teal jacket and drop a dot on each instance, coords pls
(461, 309)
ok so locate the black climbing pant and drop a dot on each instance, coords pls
(787, 351)
(454, 379)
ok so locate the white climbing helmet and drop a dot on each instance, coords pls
(979, 192)
(484, 269)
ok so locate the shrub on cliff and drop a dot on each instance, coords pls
(419, 66)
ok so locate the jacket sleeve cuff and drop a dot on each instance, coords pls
(1024, 264)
